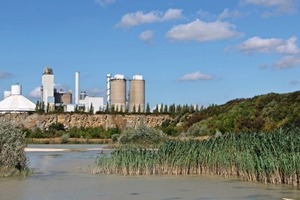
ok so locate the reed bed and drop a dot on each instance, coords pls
(258, 157)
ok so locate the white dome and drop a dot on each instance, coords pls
(16, 103)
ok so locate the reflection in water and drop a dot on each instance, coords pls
(66, 175)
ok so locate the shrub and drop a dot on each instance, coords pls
(143, 136)
(197, 130)
(65, 138)
(12, 155)
(115, 137)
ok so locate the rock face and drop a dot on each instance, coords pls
(33, 121)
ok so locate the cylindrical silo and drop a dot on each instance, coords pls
(16, 89)
(118, 92)
(137, 94)
(7, 94)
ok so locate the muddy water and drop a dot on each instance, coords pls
(66, 175)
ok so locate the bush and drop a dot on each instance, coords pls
(197, 130)
(115, 137)
(143, 136)
(12, 155)
(65, 138)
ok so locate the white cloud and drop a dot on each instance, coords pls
(104, 2)
(4, 75)
(229, 14)
(202, 31)
(195, 77)
(277, 6)
(288, 47)
(138, 18)
(270, 45)
(146, 36)
(35, 93)
(287, 62)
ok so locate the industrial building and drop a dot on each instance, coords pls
(116, 93)
(62, 98)
(15, 102)
(47, 89)
(83, 102)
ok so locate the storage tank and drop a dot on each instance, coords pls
(16, 89)
(118, 92)
(7, 94)
(137, 94)
(66, 98)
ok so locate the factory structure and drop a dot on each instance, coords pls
(117, 95)
(52, 98)
(15, 102)
(117, 90)
(123, 95)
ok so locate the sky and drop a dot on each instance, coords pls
(189, 52)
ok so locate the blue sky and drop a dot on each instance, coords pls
(194, 52)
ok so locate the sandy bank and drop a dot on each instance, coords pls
(44, 150)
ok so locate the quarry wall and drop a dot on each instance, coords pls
(43, 121)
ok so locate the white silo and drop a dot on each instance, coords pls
(118, 92)
(48, 86)
(7, 94)
(16, 89)
(137, 94)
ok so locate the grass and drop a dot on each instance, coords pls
(258, 157)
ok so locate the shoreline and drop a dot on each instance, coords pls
(34, 149)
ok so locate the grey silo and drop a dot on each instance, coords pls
(137, 94)
(118, 92)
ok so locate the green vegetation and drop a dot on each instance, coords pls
(142, 136)
(12, 155)
(260, 113)
(58, 130)
(259, 157)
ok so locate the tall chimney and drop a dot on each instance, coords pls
(108, 77)
(77, 88)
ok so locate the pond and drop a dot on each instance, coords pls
(64, 172)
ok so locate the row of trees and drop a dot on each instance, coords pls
(172, 109)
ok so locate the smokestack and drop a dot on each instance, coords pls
(108, 77)
(77, 88)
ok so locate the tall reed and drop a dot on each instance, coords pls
(259, 157)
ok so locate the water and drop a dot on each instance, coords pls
(66, 175)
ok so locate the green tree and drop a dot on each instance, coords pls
(155, 109)
(166, 108)
(91, 110)
(161, 109)
(148, 110)
(133, 109)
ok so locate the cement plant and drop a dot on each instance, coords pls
(122, 95)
